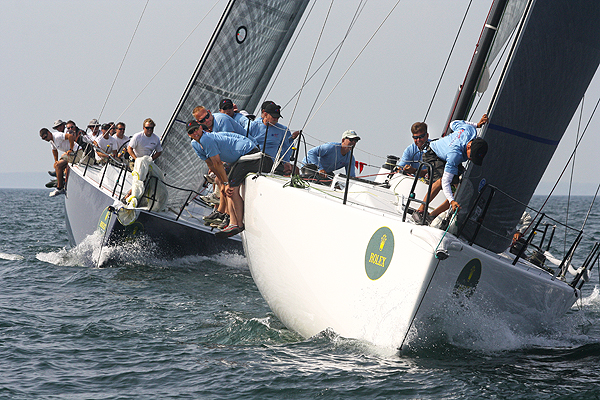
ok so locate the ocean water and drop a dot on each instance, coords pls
(197, 328)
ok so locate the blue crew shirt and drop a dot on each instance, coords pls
(453, 148)
(329, 157)
(224, 123)
(228, 145)
(242, 120)
(412, 155)
(277, 134)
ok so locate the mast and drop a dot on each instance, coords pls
(553, 59)
(478, 62)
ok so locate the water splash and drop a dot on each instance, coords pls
(139, 251)
(11, 257)
(241, 330)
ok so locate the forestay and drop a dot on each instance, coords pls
(238, 64)
(556, 57)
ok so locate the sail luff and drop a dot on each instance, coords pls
(556, 57)
(469, 87)
(242, 54)
(190, 84)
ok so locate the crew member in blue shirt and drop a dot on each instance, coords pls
(218, 147)
(226, 106)
(414, 152)
(446, 155)
(278, 136)
(217, 122)
(331, 156)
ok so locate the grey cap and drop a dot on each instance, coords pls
(58, 123)
(94, 122)
(350, 134)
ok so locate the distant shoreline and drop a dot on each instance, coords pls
(37, 180)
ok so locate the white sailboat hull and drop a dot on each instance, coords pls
(320, 264)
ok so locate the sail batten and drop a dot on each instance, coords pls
(238, 64)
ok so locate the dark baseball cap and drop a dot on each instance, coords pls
(272, 109)
(192, 126)
(479, 148)
(225, 104)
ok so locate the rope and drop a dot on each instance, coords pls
(289, 51)
(336, 49)
(339, 49)
(352, 63)
(590, 209)
(167, 61)
(572, 155)
(123, 60)
(278, 159)
(446, 231)
(311, 60)
(448, 59)
(572, 171)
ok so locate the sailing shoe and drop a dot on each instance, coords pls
(52, 173)
(210, 178)
(213, 217)
(211, 199)
(56, 192)
(223, 224)
(417, 216)
(51, 184)
(229, 231)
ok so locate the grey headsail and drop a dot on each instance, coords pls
(238, 64)
(556, 57)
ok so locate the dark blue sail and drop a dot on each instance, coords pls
(555, 58)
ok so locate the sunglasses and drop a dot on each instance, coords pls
(421, 136)
(205, 117)
(120, 129)
(44, 136)
(150, 128)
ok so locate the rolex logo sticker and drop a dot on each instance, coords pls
(379, 253)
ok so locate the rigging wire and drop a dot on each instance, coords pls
(448, 59)
(352, 63)
(289, 51)
(498, 59)
(590, 209)
(339, 49)
(572, 155)
(277, 158)
(123, 60)
(311, 59)
(572, 171)
(168, 59)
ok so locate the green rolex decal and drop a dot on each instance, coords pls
(379, 253)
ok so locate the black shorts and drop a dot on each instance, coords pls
(438, 165)
(241, 168)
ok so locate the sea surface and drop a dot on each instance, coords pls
(139, 327)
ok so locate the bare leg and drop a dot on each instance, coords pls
(60, 167)
(443, 207)
(435, 189)
(223, 199)
(236, 208)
